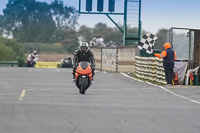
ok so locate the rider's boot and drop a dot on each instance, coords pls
(73, 79)
(92, 81)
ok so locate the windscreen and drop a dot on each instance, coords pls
(84, 64)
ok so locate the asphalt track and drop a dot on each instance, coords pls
(36, 100)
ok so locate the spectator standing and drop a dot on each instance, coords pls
(97, 42)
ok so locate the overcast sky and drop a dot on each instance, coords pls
(155, 14)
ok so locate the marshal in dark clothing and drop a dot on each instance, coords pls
(168, 61)
(168, 55)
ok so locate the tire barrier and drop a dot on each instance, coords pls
(126, 59)
(47, 64)
(150, 68)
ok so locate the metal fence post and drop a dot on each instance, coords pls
(101, 58)
(117, 60)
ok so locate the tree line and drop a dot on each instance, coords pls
(50, 28)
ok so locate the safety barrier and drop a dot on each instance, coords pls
(8, 63)
(127, 59)
(150, 68)
(115, 59)
(47, 64)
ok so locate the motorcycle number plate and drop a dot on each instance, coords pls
(84, 76)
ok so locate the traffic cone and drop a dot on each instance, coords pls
(176, 79)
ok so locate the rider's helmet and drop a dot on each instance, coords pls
(34, 54)
(84, 47)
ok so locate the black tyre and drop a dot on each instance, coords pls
(83, 86)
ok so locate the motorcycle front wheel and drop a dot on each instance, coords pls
(83, 86)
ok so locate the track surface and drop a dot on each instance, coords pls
(34, 100)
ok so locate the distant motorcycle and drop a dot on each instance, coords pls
(83, 76)
(32, 59)
(32, 62)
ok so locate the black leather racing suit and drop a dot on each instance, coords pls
(83, 56)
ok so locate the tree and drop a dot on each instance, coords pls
(162, 39)
(70, 40)
(112, 36)
(32, 21)
(1, 25)
(10, 49)
(85, 33)
(6, 53)
(99, 28)
(60, 13)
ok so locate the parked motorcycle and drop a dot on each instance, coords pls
(83, 76)
(65, 63)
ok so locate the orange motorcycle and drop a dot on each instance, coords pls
(83, 76)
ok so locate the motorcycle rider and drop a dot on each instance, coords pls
(31, 59)
(83, 54)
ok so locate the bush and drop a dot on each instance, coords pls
(6, 53)
(71, 48)
(21, 62)
(14, 45)
(10, 50)
(43, 47)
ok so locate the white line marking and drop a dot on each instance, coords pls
(23, 93)
(131, 77)
(163, 88)
(104, 71)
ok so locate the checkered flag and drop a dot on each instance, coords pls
(147, 42)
